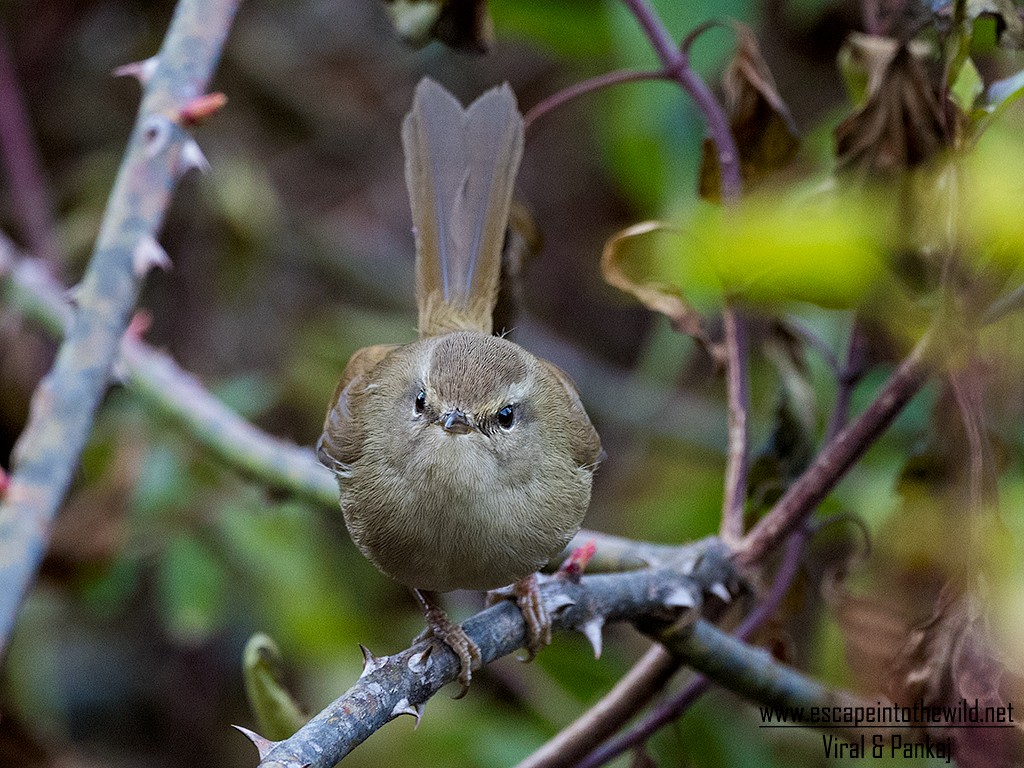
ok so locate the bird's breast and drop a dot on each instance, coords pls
(446, 515)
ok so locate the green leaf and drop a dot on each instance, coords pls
(770, 249)
(967, 87)
(192, 590)
(993, 191)
(294, 571)
(276, 711)
(1004, 93)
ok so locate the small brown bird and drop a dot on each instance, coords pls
(463, 461)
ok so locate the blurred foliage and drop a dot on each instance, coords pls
(296, 250)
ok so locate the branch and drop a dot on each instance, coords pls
(400, 684)
(676, 61)
(836, 458)
(677, 705)
(164, 386)
(559, 98)
(627, 697)
(65, 402)
(847, 379)
(738, 397)
(753, 674)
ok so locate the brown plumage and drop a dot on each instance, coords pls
(464, 462)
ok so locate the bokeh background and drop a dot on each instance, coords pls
(295, 251)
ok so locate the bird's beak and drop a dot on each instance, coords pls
(455, 422)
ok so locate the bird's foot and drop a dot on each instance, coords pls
(442, 629)
(526, 594)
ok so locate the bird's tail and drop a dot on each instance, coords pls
(460, 166)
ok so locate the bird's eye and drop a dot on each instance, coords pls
(506, 417)
(421, 401)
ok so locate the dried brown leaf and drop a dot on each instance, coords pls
(628, 263)
(899, 126)
(765, 133)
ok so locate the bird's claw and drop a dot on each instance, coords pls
(441, 629)
(526, 595)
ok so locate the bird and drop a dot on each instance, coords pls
(463, 461)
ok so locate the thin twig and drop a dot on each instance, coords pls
(677, 706)
(836, 458)
(738, 396)
(676, 61)
(65, 402)
(847, 378)
(643, 681)
(559, 98)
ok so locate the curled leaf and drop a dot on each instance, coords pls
(765, 133)
(767, 250)
(632, 262)
(276, 711)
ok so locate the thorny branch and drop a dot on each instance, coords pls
(671, 710)
(26, 284)
(401, 684)
(666, 600)
(65, 402)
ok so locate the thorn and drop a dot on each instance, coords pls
(263, 744)
(370, 662)
(192, 157)
(420, 662)
(592, 631)
(403, 707)
(574, 565)
(559, 602)
(156, 133)
(140, 70)
(719, 590)
(681, 598)
(147, 255)
(197, 109)
(141, 322)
